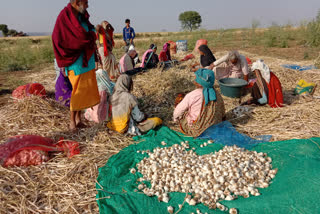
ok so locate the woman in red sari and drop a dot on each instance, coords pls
(267, 89)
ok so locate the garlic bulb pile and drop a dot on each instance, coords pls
(210, 178)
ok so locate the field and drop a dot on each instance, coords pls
(68, 186)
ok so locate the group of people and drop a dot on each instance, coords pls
(105, 93)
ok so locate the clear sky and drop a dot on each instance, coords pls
(156, 16)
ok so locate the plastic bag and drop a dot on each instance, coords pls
(199, 43)
(305, 88)
(27, 150)
(30, 89)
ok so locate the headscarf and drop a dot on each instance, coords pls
(152, 46)
(165, 47)
(208, 58)
(103, 31)
(263, 68)
(122, 103)
(166, 50)
(205, 78)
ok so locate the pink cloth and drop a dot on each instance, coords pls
(144, 57)
(99, 112)
(123, 67)
(192, 103)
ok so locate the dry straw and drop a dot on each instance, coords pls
(68, 185)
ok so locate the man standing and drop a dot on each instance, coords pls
(74, 46)
(128, 34)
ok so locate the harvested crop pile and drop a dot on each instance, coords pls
(224, 175)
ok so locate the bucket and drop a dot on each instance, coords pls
(232, 87)
(182, 45)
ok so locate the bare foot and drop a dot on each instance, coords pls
(72, 127)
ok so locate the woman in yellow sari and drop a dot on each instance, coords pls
(126, 116)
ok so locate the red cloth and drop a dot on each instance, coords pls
(249, 61)
(188, 57)
(28, 90)
(105, 44)
(70, 39)
(275, 92)
(163, 57)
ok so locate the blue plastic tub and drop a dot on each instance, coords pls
(232, 87)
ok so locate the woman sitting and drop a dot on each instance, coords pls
(267, 88)
(200, 108)
(99, 113)
(127, 63)
(126, 116)
(206, 58)
(150, 58)
(232, 65)
(165, 56)
(105, 45)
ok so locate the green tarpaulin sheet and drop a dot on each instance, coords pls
(295, 189)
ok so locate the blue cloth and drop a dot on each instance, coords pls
(263, 99)
(205, 77)
(299, 68)
(224, 133)
(128, 33)
(77, 65)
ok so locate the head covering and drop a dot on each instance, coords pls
(70, 39)
(122, 103)
(152, 46)
(132, 53)
(263, 68)
(208, 58)
(205, 78)
(166, 50)
(165, 47)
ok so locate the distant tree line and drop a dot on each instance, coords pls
(10, 32)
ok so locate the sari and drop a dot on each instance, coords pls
(126, 116)
(99, 113)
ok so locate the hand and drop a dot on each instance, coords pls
(97, 66)
(211, 66)
(125, 44)
(131, 41)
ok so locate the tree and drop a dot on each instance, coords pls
(4, 29)
(190, 20)
(12, 32)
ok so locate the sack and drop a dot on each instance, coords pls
(173, 47)
(199, 43)
(27, 90)
(182, 45)
(27, 150)
(305, 88)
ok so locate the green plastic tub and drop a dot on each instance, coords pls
(232, 87)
